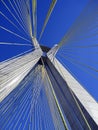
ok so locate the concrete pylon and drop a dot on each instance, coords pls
(78, 105)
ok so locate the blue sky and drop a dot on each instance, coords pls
(63, 17)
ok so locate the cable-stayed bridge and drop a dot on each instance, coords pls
(37, 90)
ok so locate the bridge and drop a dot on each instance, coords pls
(37, 90)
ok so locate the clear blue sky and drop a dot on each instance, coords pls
(63, 16)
